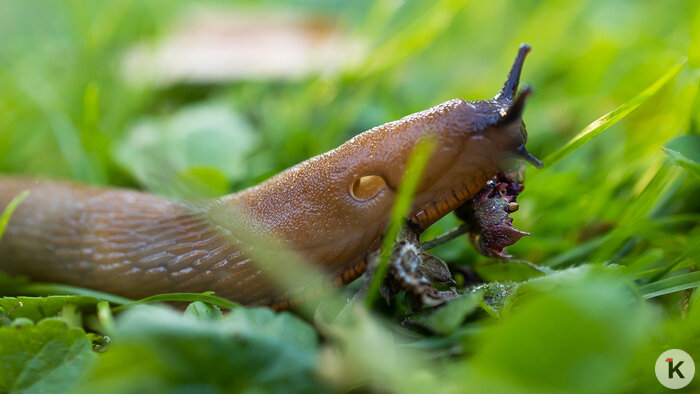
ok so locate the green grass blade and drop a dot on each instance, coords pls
(577, 253)
(671, 285)
(412, 39)
(685, 152)
(609, 119)
(402, 205)
(642, 207)
(7, 213)
(43, 289)
(207, 297)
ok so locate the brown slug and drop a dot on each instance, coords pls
(332, 209)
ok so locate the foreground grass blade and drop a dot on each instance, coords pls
(685, 151)
(5, 218)
(207, 297)
(609, 119)
(671, 285)
(402, 205)
(43, 289)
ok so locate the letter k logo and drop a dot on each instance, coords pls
(672, 369)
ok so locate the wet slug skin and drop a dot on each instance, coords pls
(332, 209)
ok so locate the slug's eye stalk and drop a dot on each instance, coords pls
(511, 111)
(511, 86)
(513, 116)
(522, 153)
(515, 111)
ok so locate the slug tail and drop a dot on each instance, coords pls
(511, 84)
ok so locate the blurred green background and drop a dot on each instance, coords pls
(100, 92)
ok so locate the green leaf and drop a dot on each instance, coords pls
(9, 209)
(193, 153)
(449, 317)
(671, 285)
(48, 357)
(609, 119)
(685, 152)
(204, 182)
(203, 311)
(37, 308)
(157, 349)
(496, 296)
(576, 336)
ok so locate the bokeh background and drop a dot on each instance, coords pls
(198, 99)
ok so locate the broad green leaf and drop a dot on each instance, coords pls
(496, 296)
(157, 349)
(203, 182)
(609, 119)
(203, 311)
(361, 352)
(192, 153)
(37, 308)
(448, 318)
(42, 358)
(580, 336)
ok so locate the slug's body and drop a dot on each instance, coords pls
(331, 209)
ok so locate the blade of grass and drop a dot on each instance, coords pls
(671, 285)
(692, 251)
(414, 169)
(411, 40)
(207, 297)
(577, 253)
(611, 118)
(637, 212)
(685, 152)
(7, 213)
(43, 289)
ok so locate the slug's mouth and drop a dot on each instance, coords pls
(433, 211)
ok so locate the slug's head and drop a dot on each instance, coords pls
(474, 141)
(342, 200)
(501, 117)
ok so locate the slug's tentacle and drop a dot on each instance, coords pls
(510, 87)
(522, 153)
(515, 111)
